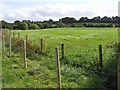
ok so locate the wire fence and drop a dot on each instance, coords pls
(97, 61)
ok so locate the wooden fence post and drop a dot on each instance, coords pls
(100, 56)
(9, 33)
(3, 43)
(9, 46)
(62, 51)
(13, 34)
(26, 38)
(18, 35)
(41, 45)
(118, 69)
(58, 68)
(24, 53)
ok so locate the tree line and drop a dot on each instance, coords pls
(63, 22)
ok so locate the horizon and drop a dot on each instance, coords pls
(54, 20)
(38, 10)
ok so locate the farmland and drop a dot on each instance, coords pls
(79, 66)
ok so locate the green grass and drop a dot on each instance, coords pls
(75, 35)
(77, 38)
(81, 54)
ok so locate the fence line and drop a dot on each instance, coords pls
(57, 56)
(62, 49)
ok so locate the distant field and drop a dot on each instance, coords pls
(81, 52)
(77, 36)
(73, 38)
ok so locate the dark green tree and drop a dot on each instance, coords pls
(33, 26)
(68, 20)
(3, 23)
(46, 25)
(22, 26)
(40, 25)
(60, 24)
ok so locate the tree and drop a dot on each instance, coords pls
(46, 25)
(60, 24)
(83, 19)
(40, 25)
(17, 22)
(68, 20)
(9, 26)
(50, 21)
(33, 26)
(73, 25)
(4, 23)
(96, 19)
(22, 26)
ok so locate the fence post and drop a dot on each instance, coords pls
(9, 46)
(3, 43)
(13, 34)
(24, 53)
(58, 68)
(41, 45)
(18, 35)
(62, 51)
(9, 33)
(118, 69)
(26, 38)
(100, 56)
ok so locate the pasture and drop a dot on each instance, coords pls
(79, 68)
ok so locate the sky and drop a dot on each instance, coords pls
(40, 10)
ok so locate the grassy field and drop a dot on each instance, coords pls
(85, 36)
(78, 68)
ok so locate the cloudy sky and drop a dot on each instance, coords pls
(40, 10)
